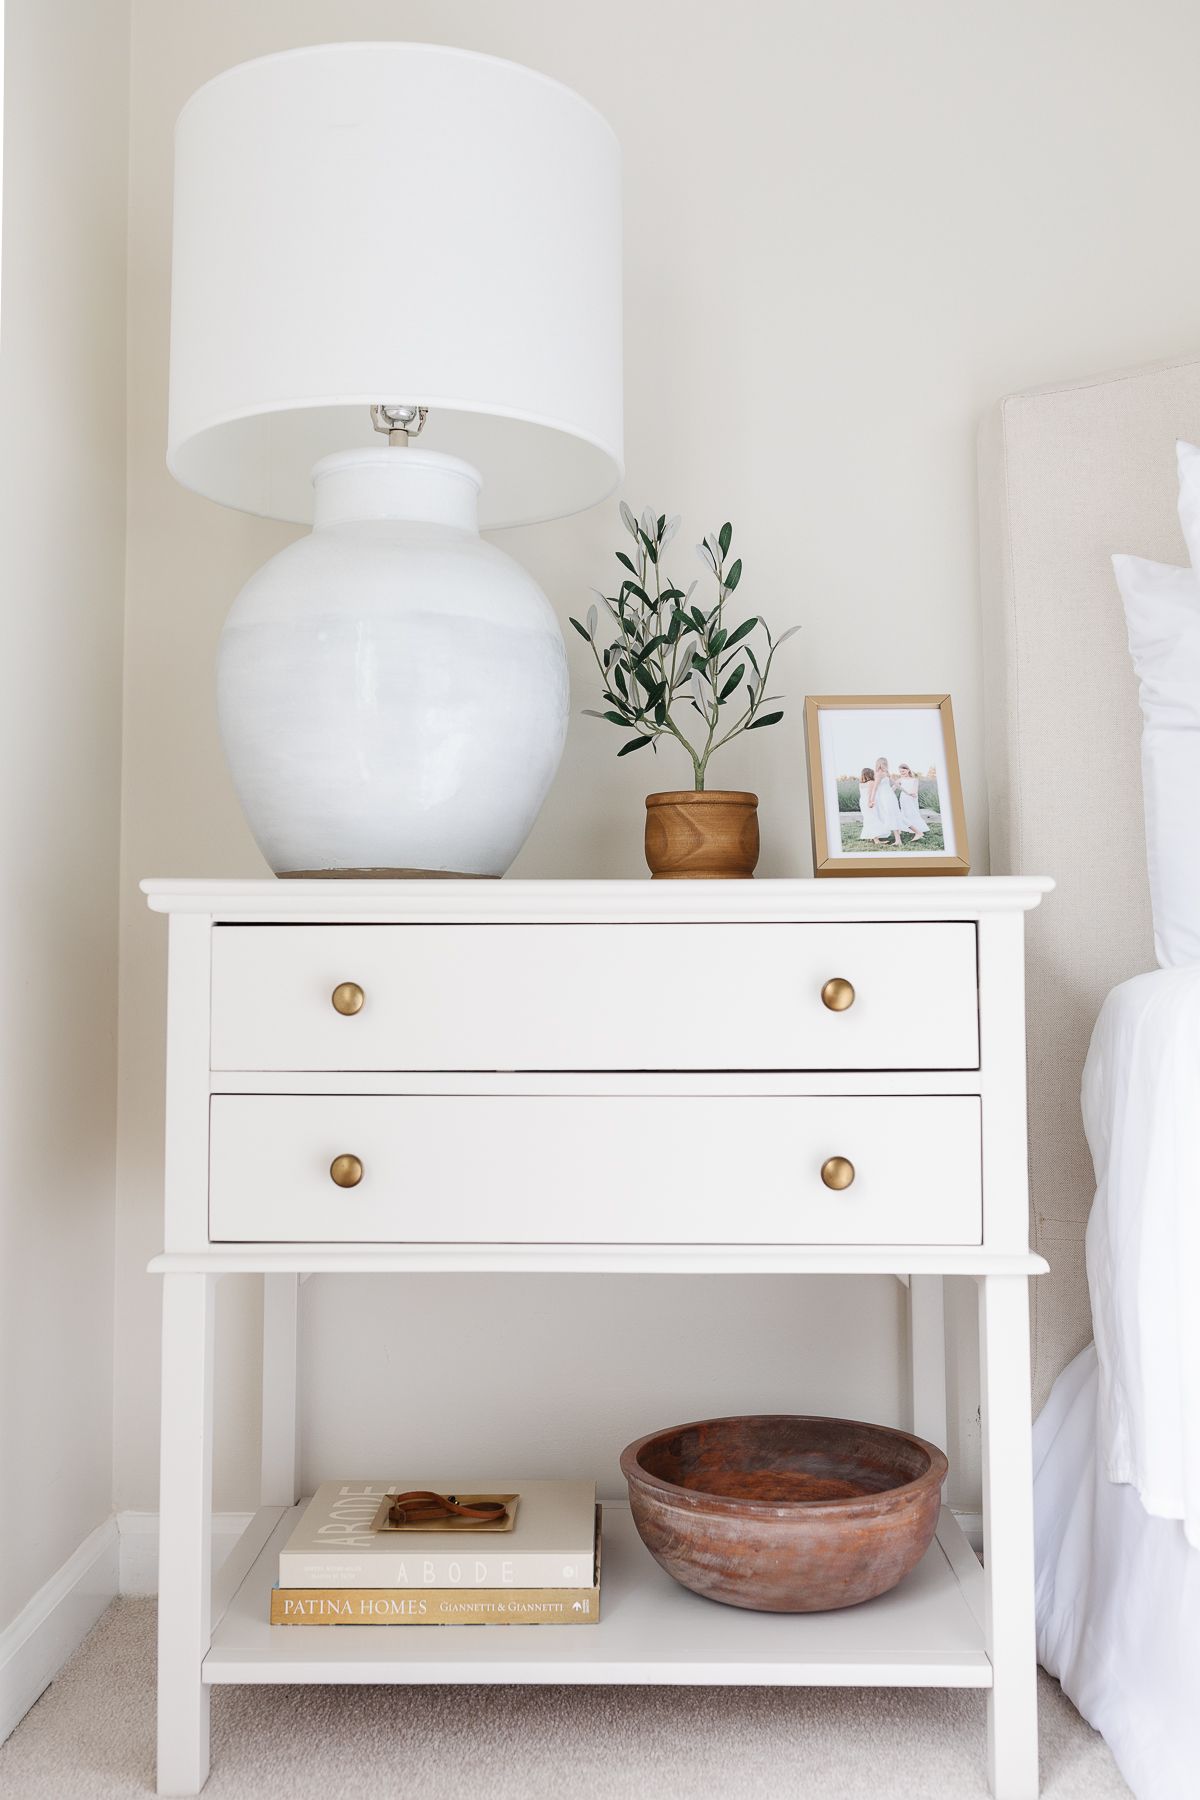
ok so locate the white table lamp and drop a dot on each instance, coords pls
(374, 241)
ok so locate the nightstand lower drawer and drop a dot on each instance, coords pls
(648, 1169)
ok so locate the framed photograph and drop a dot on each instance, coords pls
(883, 785)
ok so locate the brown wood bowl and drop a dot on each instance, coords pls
(781, 1513)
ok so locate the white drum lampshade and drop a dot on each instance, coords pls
(398, 226)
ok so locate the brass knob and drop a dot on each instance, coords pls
(838, 994)
(346, 1171)
(838, 1172)
(348, 998)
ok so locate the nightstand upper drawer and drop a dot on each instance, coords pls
(620, 997)
(667, 1169)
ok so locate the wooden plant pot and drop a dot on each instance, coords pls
(702, 837)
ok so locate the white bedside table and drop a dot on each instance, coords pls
(334, 1044)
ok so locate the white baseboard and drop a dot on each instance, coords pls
(119, 1557)
(971, 1524)
(34, 1647)
(139, 1546)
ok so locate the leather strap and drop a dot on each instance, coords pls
(422, 1506)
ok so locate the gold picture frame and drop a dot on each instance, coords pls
(829, 787)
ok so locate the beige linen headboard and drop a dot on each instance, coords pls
(1067, 476)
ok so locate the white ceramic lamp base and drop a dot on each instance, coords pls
(392, 691)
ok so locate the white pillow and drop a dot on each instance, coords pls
(1162, 614)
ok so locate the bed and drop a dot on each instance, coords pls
(1068, 475)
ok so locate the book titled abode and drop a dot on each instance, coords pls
(551, 1544)
(442, 1606)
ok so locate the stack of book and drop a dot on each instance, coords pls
(539, 1566)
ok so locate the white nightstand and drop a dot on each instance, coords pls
(334, 1046)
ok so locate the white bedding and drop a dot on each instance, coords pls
(1141, 1107)
(1117, 1445)
(1118, 1599)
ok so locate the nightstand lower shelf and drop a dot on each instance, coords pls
(928, 1632)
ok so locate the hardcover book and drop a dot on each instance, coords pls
(551, 1544)
(441, 1606)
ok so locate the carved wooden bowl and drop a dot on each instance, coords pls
(785, 1514)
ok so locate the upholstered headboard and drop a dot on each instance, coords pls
(1067, 476)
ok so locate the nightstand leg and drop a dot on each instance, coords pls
(927, 1355)
(185, 1532)
(280, 1477)
(1008, 1535)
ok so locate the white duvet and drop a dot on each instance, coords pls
(1118, 1599)
(1141, 1110)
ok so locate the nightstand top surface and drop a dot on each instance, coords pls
(565, 902)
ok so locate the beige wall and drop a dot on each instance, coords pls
(62, 570)
(848, 228)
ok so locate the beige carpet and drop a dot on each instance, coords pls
(91, 1737)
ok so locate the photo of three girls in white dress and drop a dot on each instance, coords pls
(889, 805)
(883, 781)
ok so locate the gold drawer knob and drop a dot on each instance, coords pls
(346, 1171)
(838, 994)
(838, 1172)
(348, 999)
